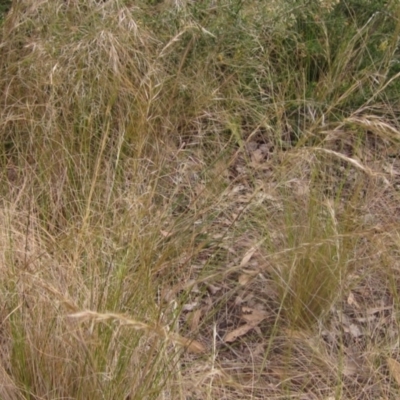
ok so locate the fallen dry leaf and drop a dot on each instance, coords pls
(194, 319)
(351, 301)
(257, 156)
(354, 363)
(394, 368)
(238, 301)
(251, 146)
(166, 234)
(190, 306)
(242, 330)
(192, 346)
(350, 367)
(246, 277)
(248, 256)
(376, 310)
(252, 317)
(213, 289)
(355, 331)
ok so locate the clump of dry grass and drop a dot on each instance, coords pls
(197, 203)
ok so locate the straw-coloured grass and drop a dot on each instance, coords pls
(199, 200)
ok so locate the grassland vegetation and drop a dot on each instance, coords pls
(199, 199)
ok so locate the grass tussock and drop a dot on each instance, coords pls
(199, 199)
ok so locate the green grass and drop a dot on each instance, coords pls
(4, 7)
(199, 199)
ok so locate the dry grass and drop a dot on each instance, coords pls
(199, 200)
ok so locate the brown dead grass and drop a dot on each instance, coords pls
(165, 235)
